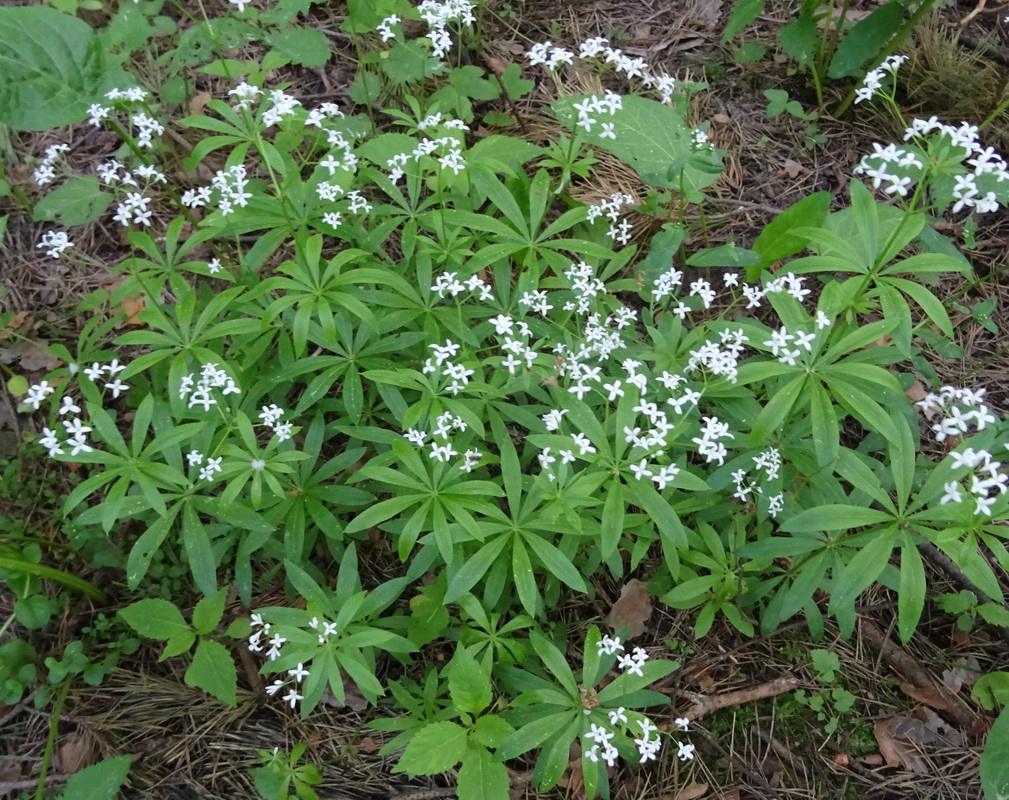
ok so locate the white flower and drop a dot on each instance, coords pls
(682, 723)
(952, 495)
(299, 673)
(195, 458)
(609, 646)
(686, 751)
(68, 406)
(618, 716)
(117, 387)
(292, 696)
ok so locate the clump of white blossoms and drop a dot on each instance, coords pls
(962, 412)
(438, 15)
(620, 719)
(551, 57)
(934, 150)
(46, 172)
(874, 79)
(54, 243)
(76, 440)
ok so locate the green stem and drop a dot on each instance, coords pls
(54, 726)
(65, 578)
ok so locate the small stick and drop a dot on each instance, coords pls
(705, 705)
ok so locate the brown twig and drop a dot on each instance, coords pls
(704, 705)
(956, 709)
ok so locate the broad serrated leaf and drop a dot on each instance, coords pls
(995, 760)
(481, 777)
(434, 748)
(304, 46)
(155, 618)
(52, 67)
(654, 139)
(208, 612)
(77, 202)
(213, 671)
(101, 781)
(468, 685)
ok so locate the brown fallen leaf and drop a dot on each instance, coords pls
(924, 695)
(368, 745)
(964, 672)
(897, 752)
(633, 608)
(131, 308)
(793, 168)
(77, 750)
(31, 355)
(198, 102)
(16, 322)
(692, 791)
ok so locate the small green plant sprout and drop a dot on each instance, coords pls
(967, 608)
(212, 667)
(17, 670)
(829, 704)
(556, 707)
(279, 774)
(467, 731)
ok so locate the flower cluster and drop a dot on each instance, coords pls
(441, 365)
(450, 157)
(54, 242)
(984, 478)
(551, 57)
(770, 462)
(231, 186)
(270, 417)
(603, 747)
(385, 27)
(961, 410)
(439, 14)
(445, 424)
(620, 229)
(45, 172)
(200, 390)
(936, 148)
(448, 285)
(874, 80)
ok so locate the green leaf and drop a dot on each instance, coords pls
(208, 612)
(866, 565)
(52, 67)
(434, 748)
(995, 759)
(911, 597)
(481, 777)
(79, 201)
(777, 240)
(492, 730)
(742, 14)
(834, 517)
(725, 255)
(533, 734)
(514, 84)
(468, 685)
(304, 46)
(799, 39)
(178, 644)
(773, 415)
(865, 41)
(155, 618)
(654, 139)
(101, 781)
(213, 670)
